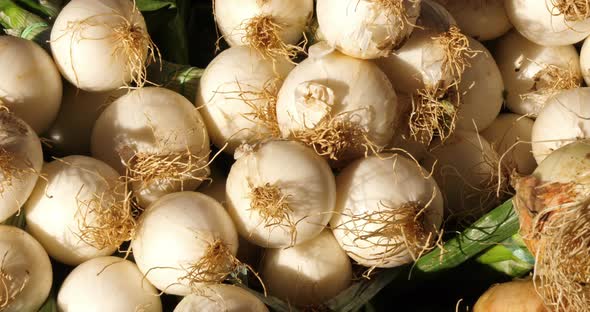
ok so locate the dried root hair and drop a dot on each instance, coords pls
(10, 289)
(550, 80)
(263, 105)
(434, 113)
(263, 33)
(132, 42)
(336, 136)
(396, 9)
(108, 219)
(572, 10)
(12, 168)
(399, 229)
(147, 168)
(272, 205)
(554, 223)
(457, 52)
(215, 266)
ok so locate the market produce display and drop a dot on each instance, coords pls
(294, 155)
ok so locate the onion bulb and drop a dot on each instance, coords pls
(237, 97)
(30, 85)
(101, 45)
(585, 61)
(453, 80)
(70, 133)
(550, 22)
(25, 271)
(563, 120)
(273, 28)
(510, 136)
(388, 211)
(157, 139)
(221, 298)
(514, 296)
(107, 284)
(339, 105)
(21, 159)
(481, 19)
(184, 240)
(307, 274)
(78, 210)
(276, 203)
(533, 73)
(367, 29)
(466, 169)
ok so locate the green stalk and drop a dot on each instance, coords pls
(19, 22)
(183, 79)
(493, 228)
(510, 257)
(46, 8)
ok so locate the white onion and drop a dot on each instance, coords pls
(543, 23)
(30, 85)
(533, 73)
(307, 274)
(177, 235)
(280, 193)
(221, 298)
(329, 88)
(563, 120)
(367, 29)
(21, 161)
(235, 17)
(510, 136)
(466, 172)
(237, 96)
(107, 284)
(100, 45)
(585, 61)
(158, 136)
(388, 210)
(25, 271)
(481, 19)
(70, 133)
(63, 210)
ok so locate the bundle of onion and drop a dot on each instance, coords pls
(107, 284)
(25, 271)
(466, 169)
(221, 298)
(204, 245)
(276, 203)
(111, 33)
(367, 29)
(157, 139)
(389, 211)
(480, 19)
(79, 210)
(550, 22)
(453, 80)
(70, 133)
(273, 28)
(564, 119)
(340, 106)
(533, 73)
(514, 296)
(554, 213)
(21, 159)
(308, 274)
(238, 95)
